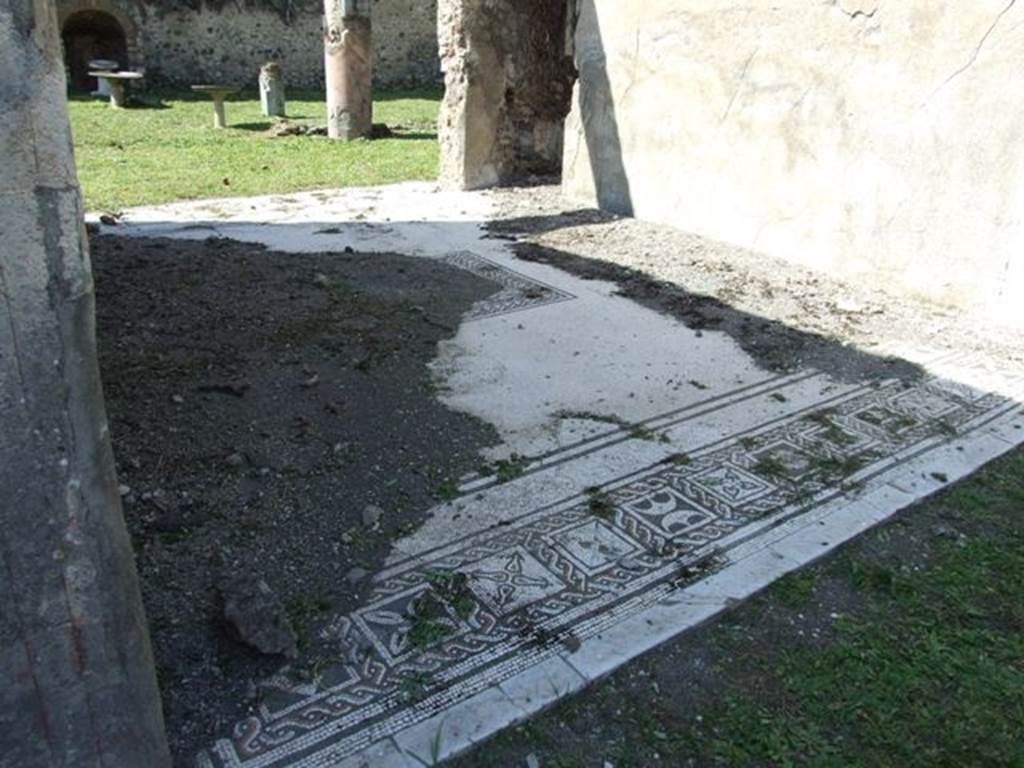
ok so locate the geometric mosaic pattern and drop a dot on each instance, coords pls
(517, 293)
(566, 571)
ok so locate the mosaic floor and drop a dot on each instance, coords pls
(512, 599)
(608, 538)
(517, 293)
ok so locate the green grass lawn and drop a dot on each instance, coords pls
(170, 151)
(904, 649)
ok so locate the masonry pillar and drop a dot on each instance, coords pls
(508, 87)
(77, 685)
(474, 78)
(348, 68)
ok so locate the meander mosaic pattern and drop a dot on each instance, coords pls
(506, 599)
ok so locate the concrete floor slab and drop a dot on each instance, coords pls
(655, 475)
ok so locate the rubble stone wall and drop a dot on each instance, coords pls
(229, 43)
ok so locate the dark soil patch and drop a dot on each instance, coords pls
(259, 402)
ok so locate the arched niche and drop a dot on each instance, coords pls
(96, 29)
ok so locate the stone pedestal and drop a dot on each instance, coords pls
(348, 71)
(219, 121)
(79, 688)
(272, 89)
(118, 95)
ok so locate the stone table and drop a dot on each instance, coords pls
(116, 82)
(218, 94)
(102, 65)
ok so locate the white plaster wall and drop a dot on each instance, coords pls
(880, 139)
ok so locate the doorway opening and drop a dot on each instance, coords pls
(88, 36)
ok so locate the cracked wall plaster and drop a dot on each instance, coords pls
(870, 139)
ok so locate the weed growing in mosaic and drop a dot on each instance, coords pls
(694, 571)
(644, 433)
(600, 503)
(834, 467)
(678, 459)
(833, 433)
(506, 470)
(591, 416)
(453, 588)
(447, 490)
(770, 466)
(430, 619)
(509, 469)
(429, 624)
(304, 611)
(416, 686)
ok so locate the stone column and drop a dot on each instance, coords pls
(272, 89)
(78, 686)
(348, 68)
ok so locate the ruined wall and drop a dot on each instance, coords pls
(508, 82)
(870, 138)
(228, 42)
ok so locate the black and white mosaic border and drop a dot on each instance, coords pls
(574, 589)
(518, 292)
